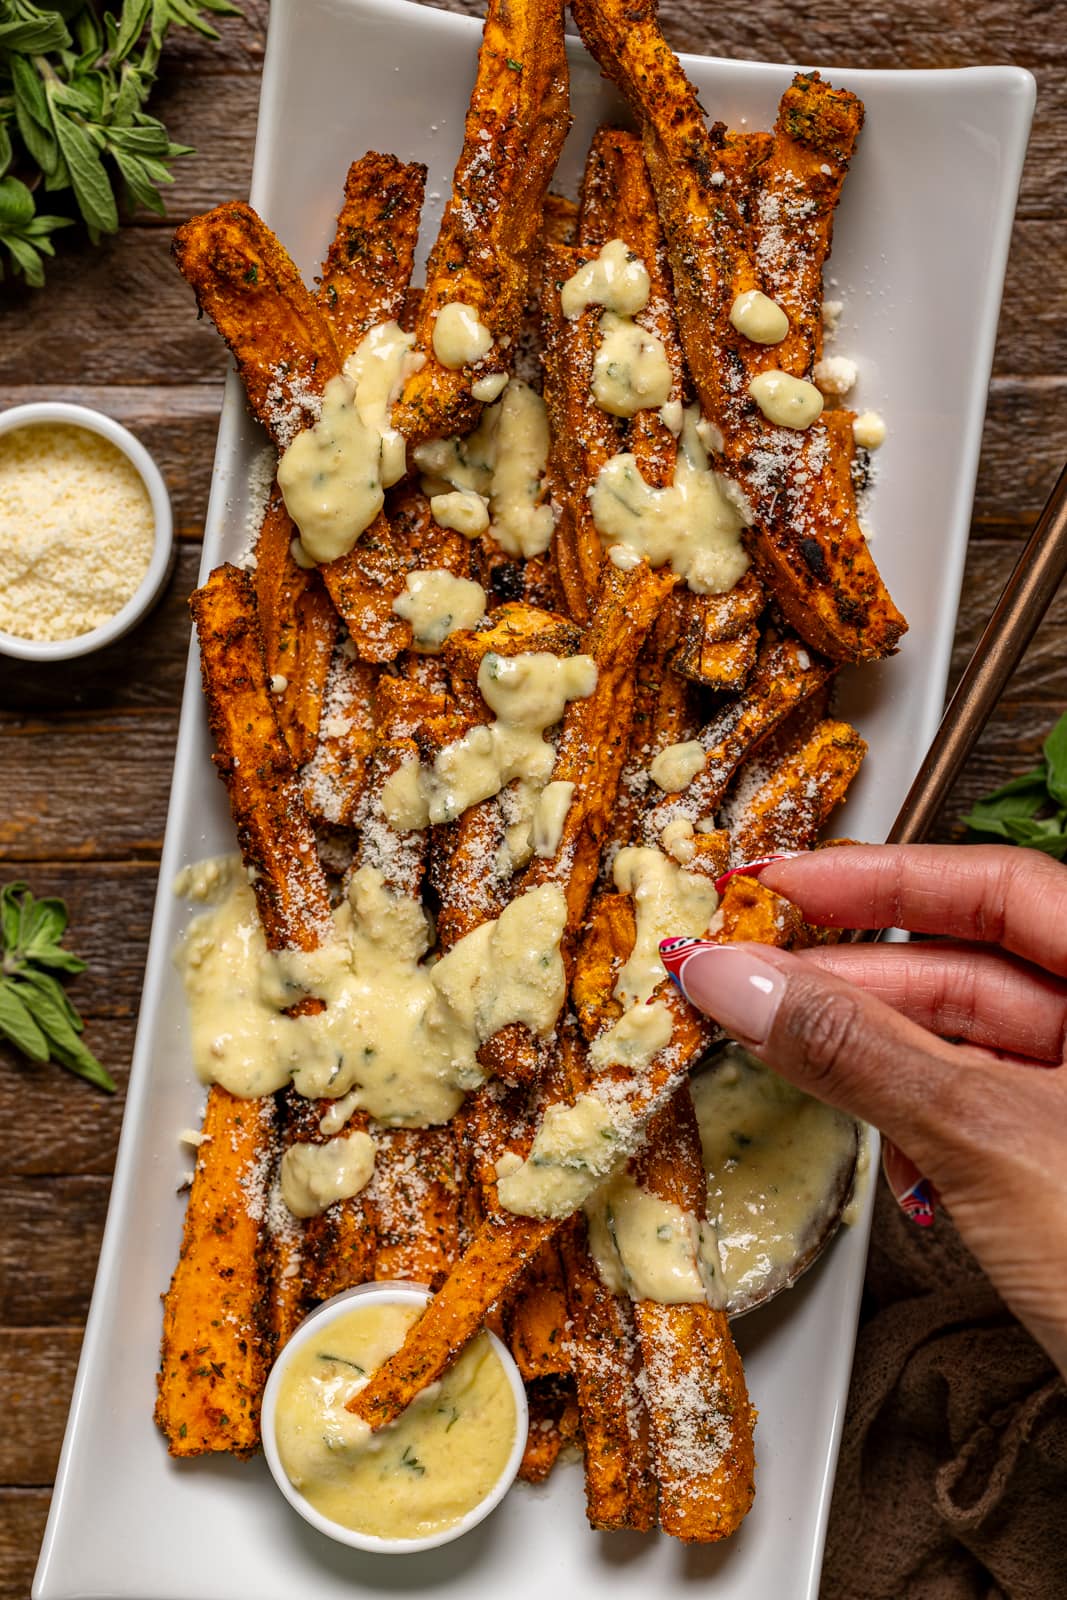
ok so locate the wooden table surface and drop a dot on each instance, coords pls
(87, 748)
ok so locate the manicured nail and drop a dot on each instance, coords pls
(735, 987)
(752, 869)
(914, 1194)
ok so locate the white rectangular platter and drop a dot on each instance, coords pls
(918, 260)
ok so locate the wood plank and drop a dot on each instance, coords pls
(22, 1519)
(138, 316)
(36, 1143)
(1023, 449)
(912, 34)
(56, 805)
(37, 1368)
(50, 1232)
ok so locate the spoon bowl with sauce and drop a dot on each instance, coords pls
(781, 1170)
(430, 1477)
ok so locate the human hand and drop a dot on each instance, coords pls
(865, 1027)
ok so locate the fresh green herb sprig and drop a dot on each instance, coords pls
(35, 1013)
(74, 82)
(1032, 809)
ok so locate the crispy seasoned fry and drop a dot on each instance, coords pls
(399, 857)
(366, 273)
(700, 1418)
(606, 944)
(619, 1487)
(553, 1424)
(273, 830)
(796, 194)
(784, 677)
(583, 437)
(699, 1412)
(334, 777)
(592, 748)
(718, 640)
(809, 548)
(513, 629)
(281, 340)
(516, 123)
(414, 1199)
(497, 1255)
(363, 585)
(299, 626)
(537, 1319)
(797, 794)
(214, 1357)
(475, 889)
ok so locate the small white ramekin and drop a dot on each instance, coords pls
(389, 1293)
(150, 586)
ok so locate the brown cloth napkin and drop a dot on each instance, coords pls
(952, 1482)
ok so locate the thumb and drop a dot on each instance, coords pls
(829, 1038)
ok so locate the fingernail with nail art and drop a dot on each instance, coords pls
(728, 982)
(752, 869)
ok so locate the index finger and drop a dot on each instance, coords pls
(997, 894)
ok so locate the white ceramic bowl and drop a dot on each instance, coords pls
(387, 1293)
(150, 586)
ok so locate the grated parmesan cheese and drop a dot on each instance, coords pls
(76, 531)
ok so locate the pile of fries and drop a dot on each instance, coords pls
(316, 697)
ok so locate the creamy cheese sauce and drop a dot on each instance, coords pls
(667, 901)
(528, 692)
(759, 318)
(616, 279)
(630, 368)
(459, 338)
(643, 1246)
(694, 525)
(441, 1458)
(786, 401)
(504, 462)
(489, 388)
(334, 474)
(577, 1146)
(549, 816)
(462, 510)
(869, 430)
(313, 1176)
(437, 603)
(677, 839)
(402, 1035)
(675, 768)
(772, 1155)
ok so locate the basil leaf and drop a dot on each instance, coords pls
(47, 925)
(96, 202)
(56, 993)
(9, 913)
(134, 17)
(17, 1024)
(41, 146)
(56, 958)
(84, 1063)
(49, 1013)
(6, 150)
(1055, 752)
(35, 36)
(29, 91)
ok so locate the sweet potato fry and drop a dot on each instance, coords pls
(496, 1257)
(366, 273)
(620, 1490)
(516, 123)
(214, 1357)
(273, 830)
(786, 675)
(810, 551)
(699, 1412)
(334, 777)
(798, 794)
(592, 748)
(584, 438)
(415, 1203)
(279, 336)
(553, 1424)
